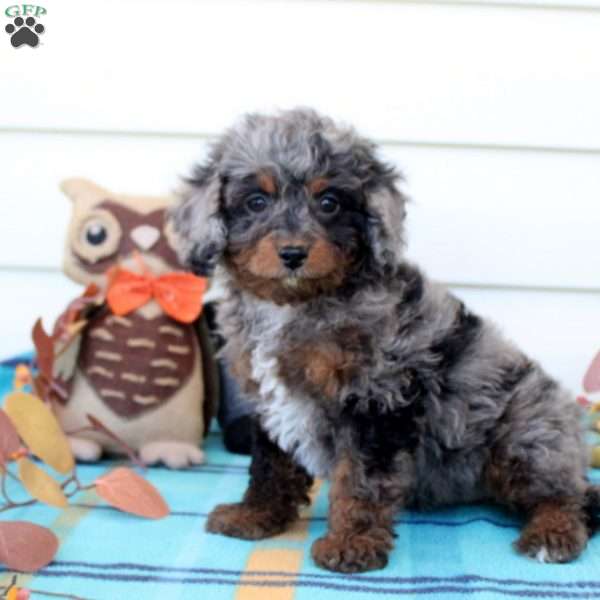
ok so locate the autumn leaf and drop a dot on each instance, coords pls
(583, 401)
(22, 376)
(9, 438)
(126, 490)
(40, 485)
(16, 593)
(44, 347)
(591, 381)
(40, 430)
(25, 546)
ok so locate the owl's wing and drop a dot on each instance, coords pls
(68, 332)
(65, 362)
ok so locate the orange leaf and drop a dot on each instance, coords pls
(40, 430)
(90, 291)
(9, 438)
(40, 485)
(25, 546)
(126, 490)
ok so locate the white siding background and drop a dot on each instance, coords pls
(491, 109)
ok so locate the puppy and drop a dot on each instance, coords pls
(362, 370)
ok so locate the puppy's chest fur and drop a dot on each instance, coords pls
(292, 419)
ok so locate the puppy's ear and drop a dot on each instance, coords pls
(385, 226)
(198, 222)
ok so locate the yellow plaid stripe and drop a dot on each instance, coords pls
(277, 559)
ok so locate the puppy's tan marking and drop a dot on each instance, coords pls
(267, 182)
(508, 480)
(317, 185)
(321, 370)
(326, 366)
(323, 367)
(263, 259)
(258, 269)
(325, 259)
(241, 368)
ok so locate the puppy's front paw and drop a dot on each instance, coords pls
(243, 521)
(558, 542)
(352, 554)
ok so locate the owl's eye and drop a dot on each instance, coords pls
(96, 234)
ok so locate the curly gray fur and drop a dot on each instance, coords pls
(439, 407)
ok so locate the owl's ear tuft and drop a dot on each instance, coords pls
(78, 188)
(198, 222)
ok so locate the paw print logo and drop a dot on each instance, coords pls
(24, 32)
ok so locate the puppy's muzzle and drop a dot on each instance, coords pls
(293, 257)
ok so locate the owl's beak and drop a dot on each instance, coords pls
(145, 236)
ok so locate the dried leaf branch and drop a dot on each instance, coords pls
(28, 428)
(14, 592)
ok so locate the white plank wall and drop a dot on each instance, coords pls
(413, 71)
(489, 107)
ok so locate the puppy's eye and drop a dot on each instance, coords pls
(329, 204)
(257, 203)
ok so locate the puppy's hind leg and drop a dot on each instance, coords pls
(537, 464)
(557, 526)
(555, 532)
(277, 489)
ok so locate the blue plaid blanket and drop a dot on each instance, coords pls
(447, 554)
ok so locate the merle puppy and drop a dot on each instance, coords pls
(362, 370)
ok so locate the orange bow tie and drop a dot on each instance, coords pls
(178, 294)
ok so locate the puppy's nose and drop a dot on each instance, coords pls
(293, 256)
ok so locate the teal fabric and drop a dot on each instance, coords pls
(449, 554)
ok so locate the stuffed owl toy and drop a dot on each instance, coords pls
(142, 364)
